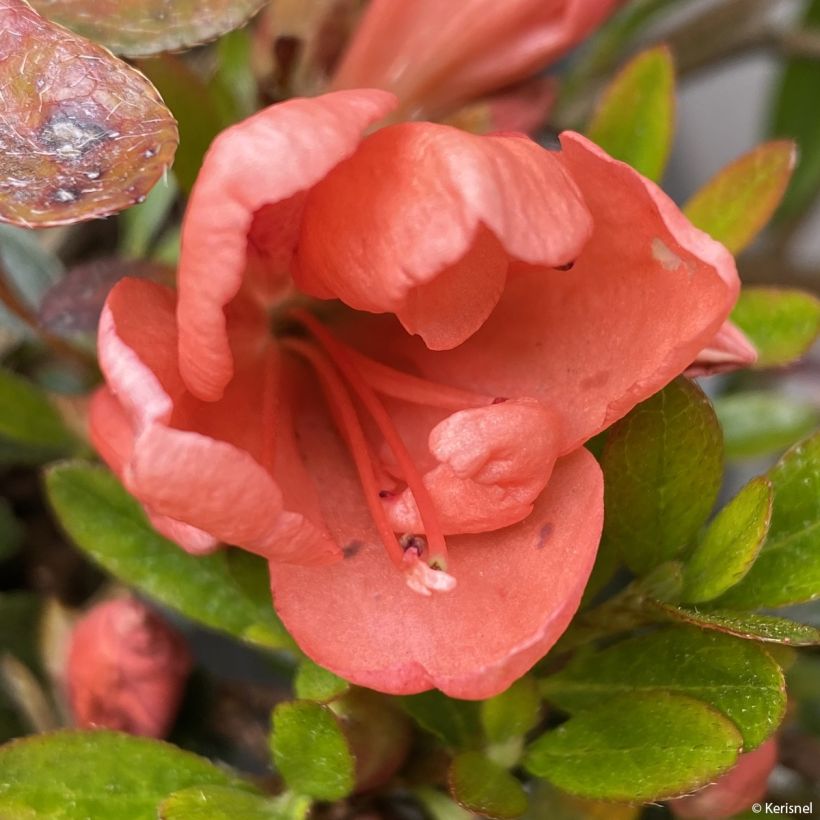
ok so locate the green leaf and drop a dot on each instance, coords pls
(730, 544)
(31, 430)
(439, 806)
(735, 205)
(311, 752)
(637, 747)
(224, 803)
(512, 713)
(663, 465)
(80, 775)
(738, 678)
(747, 625)
(110, 526)
(29, 266)
(787, 570)
(782, 323)
(761, 422)
(234, 79)
(484, 787)
(794, 116)
(456, 723)
(141, 224)
(312, 682)
(635, 119)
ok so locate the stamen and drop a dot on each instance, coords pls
(437, 555)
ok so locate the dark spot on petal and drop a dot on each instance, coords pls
(567, 266)
(386, 494)
(352, 548)
(499, 399)
(544, 535)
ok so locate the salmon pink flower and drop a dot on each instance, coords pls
(437, 55)
(385, 354)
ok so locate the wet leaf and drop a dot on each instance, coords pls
(79, 775)
(312, 682)
(111, 528)
(748, 625)
(635, 119)
(637, 747)
(82, 134)
(736, 677)
(486, 788)
(311, 752)
(224, 803)
(663, 464)
(787, 570)
(730, 544)
(760, 422)
(137, 28)
(782, 323)
(739, 200)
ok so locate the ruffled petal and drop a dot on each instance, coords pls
(424, 220)
(251, 189)
(646, 295)
(434, 55)
(360, 619)
(729, 350)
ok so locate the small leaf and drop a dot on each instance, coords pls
(637, 747)
(31, 430)
(312, 682)
(456, 723)
(635, 118)
(78, 775)
(311, 752)
(738, 678)
(735, 205)
(512, 713)
(793, 116)
(82, 134)
(224, 803)
(484, 787)
(663, 465)
(731, 543)
(137, 28)
(781, 323)
(787, 570)
(760, 422)
(747, 625)
(110, 526)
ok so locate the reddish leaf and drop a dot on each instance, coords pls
(138, 28)
(82, 134)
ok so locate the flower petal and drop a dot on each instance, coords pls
(262, 166)
(361, 620)
(729, 350)
(412, 222)
(434, 55)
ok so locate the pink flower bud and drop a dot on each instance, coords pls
(126, 669)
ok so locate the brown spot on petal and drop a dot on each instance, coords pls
(544, 535)
(352, 548)
(82, 134)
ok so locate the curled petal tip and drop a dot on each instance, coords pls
(729, 350)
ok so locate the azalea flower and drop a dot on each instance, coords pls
(386, 351)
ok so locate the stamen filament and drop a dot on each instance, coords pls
(345, 414)
(437, 556)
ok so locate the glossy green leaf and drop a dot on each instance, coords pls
(512, 713)
(312, 682)
(787, 570)
(456, 723)
(747, 625)
(110, 526)
(738, 678)
(730, 544)
(637, 747)
(81, 775)
(484, 787)
(31, 430)
(224, 803)
(762, 422)
(737, 203)
(663, 465)
(782, 323)
(139, 27)
(635, 120)
(794, 116)
(311, 752)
